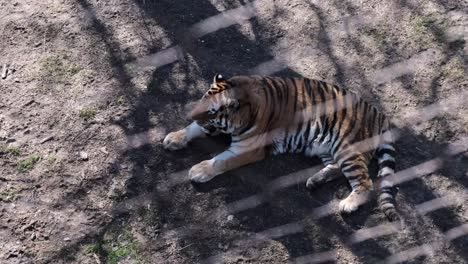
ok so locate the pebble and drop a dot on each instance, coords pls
(66, 239)
(83, 155)
(30, 102)
(4, 71)
(47, 139)
(104, 150)
(230, 217)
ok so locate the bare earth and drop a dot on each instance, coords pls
(92, 88)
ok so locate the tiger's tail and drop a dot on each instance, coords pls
(386, 161)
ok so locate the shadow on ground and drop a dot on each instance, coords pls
(181, 214)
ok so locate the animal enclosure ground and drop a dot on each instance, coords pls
(89, 89)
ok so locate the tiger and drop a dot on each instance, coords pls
(269, 115)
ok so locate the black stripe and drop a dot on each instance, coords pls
(351, 168)
(365, 119)
(295, 96)
(307, 87)
(320, 91)
(382, 151)
(323, 85)
(312, 99)
(298, 132)
(343, 91)
(324, 130)
(387, 190)
(265, 86)
(366, 108)
(282, 96)
(306, 133)
(340, 124)
(285, 140)
(286, 136)
(349, 129)
(303, 94)
(317, 129)
(386, 200)
(340, 155)
(324, 114)
(387, 163)
(273, 102)
(352, 177)
(374, 117)
(289, 143)
(335, 114)
(312, 92)
(380, 123)
(299, 145)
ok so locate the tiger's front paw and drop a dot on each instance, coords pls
(353, 201)
(175, 140)
(202, 172)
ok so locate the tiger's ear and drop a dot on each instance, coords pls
(219, 84)
(218, 78)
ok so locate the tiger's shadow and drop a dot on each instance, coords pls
(296, 203)
(257, 202)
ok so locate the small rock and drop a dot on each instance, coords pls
(83, 155)
(10, 140)
(4, 71)
(230, 217)
(104, 150)
(37, 44)
(50, 138)
(66, 239)
(12, 254)
(30, 102)
(3, 135)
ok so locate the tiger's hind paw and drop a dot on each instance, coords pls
(353, 201)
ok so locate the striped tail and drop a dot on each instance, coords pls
(386, 160)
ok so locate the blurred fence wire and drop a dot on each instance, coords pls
(409, 120)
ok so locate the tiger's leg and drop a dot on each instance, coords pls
(354, 167)
(179, 139)
(234, 157)
(330, 172)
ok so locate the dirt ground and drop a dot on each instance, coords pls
(93, 86)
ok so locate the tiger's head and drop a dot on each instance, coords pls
(226, 107)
